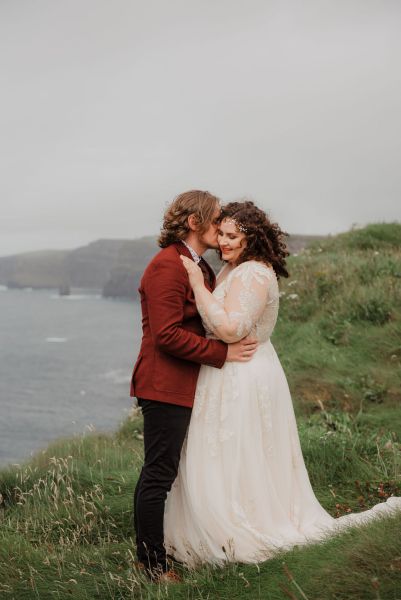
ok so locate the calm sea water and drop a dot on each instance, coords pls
(65, 366)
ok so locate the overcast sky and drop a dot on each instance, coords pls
(109, 108)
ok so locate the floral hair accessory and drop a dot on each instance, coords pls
(237, 224)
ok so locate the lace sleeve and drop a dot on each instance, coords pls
(246, 297)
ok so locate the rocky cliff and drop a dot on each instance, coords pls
(115, 266)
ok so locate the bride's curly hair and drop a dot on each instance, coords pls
(265, 241)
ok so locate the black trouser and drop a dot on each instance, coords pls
(165, 426)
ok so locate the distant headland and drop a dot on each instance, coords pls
(111, 265)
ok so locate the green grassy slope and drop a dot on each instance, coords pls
(339, 330)
(65, 517)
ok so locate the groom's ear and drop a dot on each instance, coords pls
(193, 222)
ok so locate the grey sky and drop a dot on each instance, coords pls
(109, 109)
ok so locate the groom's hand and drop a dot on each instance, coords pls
(242, 351)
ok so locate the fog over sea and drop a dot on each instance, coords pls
(65, 366)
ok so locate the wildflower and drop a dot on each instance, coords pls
(292, 296)
(292, 283)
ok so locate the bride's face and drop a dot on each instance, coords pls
(231, 241)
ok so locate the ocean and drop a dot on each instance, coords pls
(65, 366)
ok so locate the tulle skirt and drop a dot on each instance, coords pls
(242, 490)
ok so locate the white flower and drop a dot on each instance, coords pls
(292, 282)
(292, 296)
(281, 294)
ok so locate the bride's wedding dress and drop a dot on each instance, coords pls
(242, 490)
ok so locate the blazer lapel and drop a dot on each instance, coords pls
(210, 281)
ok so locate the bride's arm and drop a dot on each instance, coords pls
(245, 300)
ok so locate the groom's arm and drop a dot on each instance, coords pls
(166, 288)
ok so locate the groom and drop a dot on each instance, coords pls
(172, 350)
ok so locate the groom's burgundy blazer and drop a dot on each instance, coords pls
(173, 343)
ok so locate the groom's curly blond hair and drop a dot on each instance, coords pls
(175, 223)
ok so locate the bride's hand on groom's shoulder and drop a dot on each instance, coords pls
(242, 351)
(194, 272)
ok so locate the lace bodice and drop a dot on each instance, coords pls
(245, 302)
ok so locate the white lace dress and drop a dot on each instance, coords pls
(242, 490)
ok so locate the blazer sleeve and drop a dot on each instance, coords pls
(166, 289)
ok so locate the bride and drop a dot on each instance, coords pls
(242, 490)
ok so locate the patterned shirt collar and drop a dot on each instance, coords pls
(194, 254)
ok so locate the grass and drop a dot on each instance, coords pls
(66, 529)
(66, 526)
(338, 334)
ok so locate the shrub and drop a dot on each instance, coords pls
(336, 329)
(375, 310)
(373, 391)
